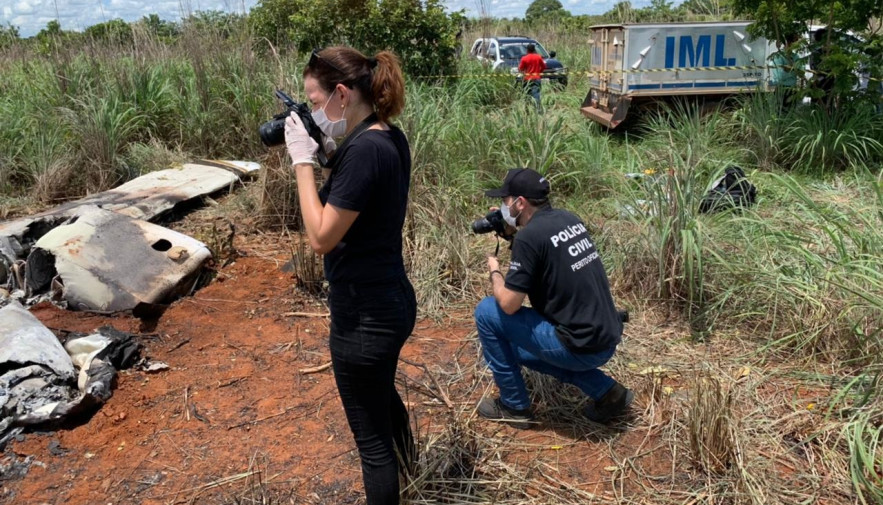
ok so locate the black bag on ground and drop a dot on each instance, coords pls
(731, 190)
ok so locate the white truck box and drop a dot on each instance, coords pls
(644, 61)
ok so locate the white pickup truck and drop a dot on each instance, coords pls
(632, 63)
(504, 53)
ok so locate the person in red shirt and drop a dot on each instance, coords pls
(532, 66)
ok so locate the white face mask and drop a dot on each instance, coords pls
(331, 129)
(509, 218)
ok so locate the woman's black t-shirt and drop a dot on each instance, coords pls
(372, 177)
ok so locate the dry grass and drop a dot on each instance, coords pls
(714, 422)
(277, 204)
(219, 239)
(711, 426)
(257, 485)
(307, 267)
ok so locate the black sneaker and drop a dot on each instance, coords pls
(494, 410)
(613, 405)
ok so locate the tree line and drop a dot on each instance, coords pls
(428, 38)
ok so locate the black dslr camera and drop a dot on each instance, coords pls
(273, 131)
(493, 221)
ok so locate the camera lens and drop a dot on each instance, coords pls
(482, 225)
(272, 132)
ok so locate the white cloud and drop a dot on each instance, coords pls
(31, 16)
(23, 7)
(517, 8)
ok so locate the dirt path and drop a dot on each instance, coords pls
(233, 403)
(233, 419)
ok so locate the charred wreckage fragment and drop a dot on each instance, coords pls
(44, 382)
(100, 254)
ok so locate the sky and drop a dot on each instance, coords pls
(30, 16)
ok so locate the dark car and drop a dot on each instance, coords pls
(504, 53)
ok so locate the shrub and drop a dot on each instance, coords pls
(422, 34)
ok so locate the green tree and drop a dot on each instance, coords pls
(836, 54)
(159, 27)
(545, 10)
(622, 12)
(422, 34)
(581, 23)
(51, 38)
(707, 10)
(657, 12)
(53, 29)
(271, 19)
(661, 11)
(115, 31)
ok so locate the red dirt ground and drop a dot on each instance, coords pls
(233, 400)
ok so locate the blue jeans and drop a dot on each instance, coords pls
(526, 338)
(533, 89)
(369, 326)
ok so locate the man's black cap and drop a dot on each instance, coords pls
(522, 182)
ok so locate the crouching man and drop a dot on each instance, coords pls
(573, 327)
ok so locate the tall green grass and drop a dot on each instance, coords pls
(70, 118)
(104, 123)
(809, 138)
(798, 275)
(805, 275)
(821, 141)
(864, 437)
(683, 149)
(76, 122)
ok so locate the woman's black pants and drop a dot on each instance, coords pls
(369, 326)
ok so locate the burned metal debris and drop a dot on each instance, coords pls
(44, 382)
(103, 261)
(100, 253)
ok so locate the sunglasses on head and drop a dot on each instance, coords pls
(316, 58)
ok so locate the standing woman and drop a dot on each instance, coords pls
(356, 221)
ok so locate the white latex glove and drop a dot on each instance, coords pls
(301, 147)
